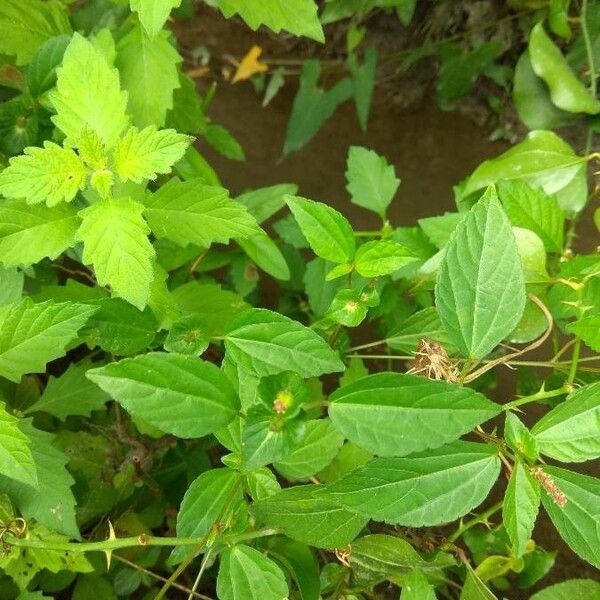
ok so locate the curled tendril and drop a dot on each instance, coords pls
(15, 527)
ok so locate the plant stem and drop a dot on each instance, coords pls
(535, 397)
(574, 361)
(588, 46)
(482, 518)
(203, 565)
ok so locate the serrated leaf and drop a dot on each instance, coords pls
(72, 393)
(363, 82)
(41, 71)
(393, 414)
(265, 202)
(51, 502)
(266, 343)
(328, 232)
(145, 64)
(572, 589)
(247, 574)
(140, 155)
(296, 16)
(51, 174)
(428, 488)
(153, 14)
(315, 449)
(313, 106)
(214, 495)
(262, 250)
(347, 308)
(372, 182)
(178, 394)
(30, 233)
(520, 507)
(439, 229)
(98, 105)
(16, 460)
(222, 140)
(480, 291)
(32, 335)
(578, 521)
(424, 323)
(115, 238)
(588, 329)
(188, 335)
(305, 516)
(381, 257)
(533, 209)
(191, 212)
(569, 432)
(416, 587)
(27, 24)
(519, 438)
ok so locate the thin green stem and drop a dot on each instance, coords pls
(574, 361)
(482, 518)
(588, 46)
(541, 395)
(203, 566)
(369, 345)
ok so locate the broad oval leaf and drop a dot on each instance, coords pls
(416, 587)
(424, 323)
(394, 414)
(327, 231)
(578, 520)
(16, 460)
(266, 343)
(572, 589)
(428, 488)
(179, 394)
(247, 574)
(306, 516)
(381, 257)
(569, 432)
(480, 292)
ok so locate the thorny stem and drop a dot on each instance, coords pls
(481, 518)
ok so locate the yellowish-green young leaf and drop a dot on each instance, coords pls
(153, 13)
(566, 90)
(296, 16)
(480, 291)
(520, 508)
(148, 71)
(190, 212)
(27, 24)
(144, 154)
(88, 95)
(474, 588)
(91, 149)
(30, 233)
(16, 460)
(51, 174)
(116, 244)
(247, 574)
(34, 334)
(381, 257)
(328, 232)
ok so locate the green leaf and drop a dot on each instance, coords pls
(262, 483)
(315, 449)
(363, 82)
(51, 501)
(572, 589)
(533, 257)
(191, 212)
(542, 159)
(313, 106)
(424, 323)
(263, 203)
(519, 438)
(188, 335)
(262, 250)
(153, 13)
(578, 521)
(72, 393)
(115, 238)
(35, 334)
(566, 90)
(266, 343)
(532, 99)
(16, 459)
(416, 587)
(296, 16)
(372, 182)
(148, 64)
(27, 24)
(393, 414)
(181, 395)
(41, 72)
(212, 497)
(569, 432)
(534, 210)
(30, 233)
(327, 231)
(474, 588)
(144, 154)
(480, 292)
(439, 229)
(305, 516)
(99, 105)
(588, 329)
(12, 290)
(381, 257)
(51, 174)
(247, 574)
(520, 508)
(223, 142)
(347, 308)
(429, 488)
